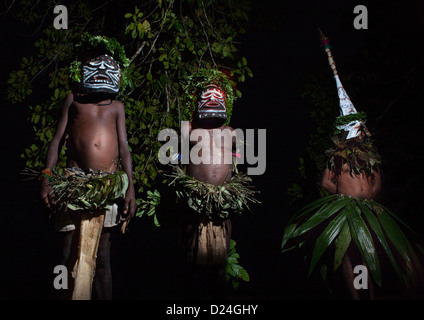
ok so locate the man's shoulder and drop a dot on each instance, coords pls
(118, 104)
(226, 127)
(69, 95)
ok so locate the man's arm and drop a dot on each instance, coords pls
(53, 151)
(125, 156)
(327, 181)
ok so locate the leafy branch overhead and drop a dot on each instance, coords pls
(165, 41)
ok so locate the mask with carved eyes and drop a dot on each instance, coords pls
(101, 74)
(211, 103)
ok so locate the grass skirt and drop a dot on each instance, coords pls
(349, 220)
(80, 190)
(215, 201)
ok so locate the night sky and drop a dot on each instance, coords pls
(283, 54)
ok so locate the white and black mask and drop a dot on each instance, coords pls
(100, 74)
(211, 103)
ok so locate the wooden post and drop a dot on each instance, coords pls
(85, 266)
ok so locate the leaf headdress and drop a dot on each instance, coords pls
(90, 46)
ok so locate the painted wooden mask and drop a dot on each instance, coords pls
(101, 74)
(211, 103)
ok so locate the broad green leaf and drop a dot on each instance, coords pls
(156, 221)
(313, 206)
(395, 217)
(364, 242)
(146, 25)
(341, 245)
(288, 231)
(321, 215)
(376, 227)
(400, 242)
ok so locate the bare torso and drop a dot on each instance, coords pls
(356, 185)
(218, 170)
(92, 136)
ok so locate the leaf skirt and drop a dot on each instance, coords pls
(343, 221)
(215, 201)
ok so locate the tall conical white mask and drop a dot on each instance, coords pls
(346, 105)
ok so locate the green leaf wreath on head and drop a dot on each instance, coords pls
(90, 45)
(197, 82)
(343, 120)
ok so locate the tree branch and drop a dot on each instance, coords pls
(138, 51)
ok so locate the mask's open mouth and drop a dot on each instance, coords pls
(101, 77)
(214, 108)
(97, 79)
(213, 105)
(101, 74)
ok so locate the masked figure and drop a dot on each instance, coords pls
(212, 103)
(349, 220)
(101, 74)
(95, 191)
(211, 189)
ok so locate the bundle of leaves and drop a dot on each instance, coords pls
(348, 218)
(149, 206)
(197, 82)
(94, 190)
(214, 200)
(359, 154)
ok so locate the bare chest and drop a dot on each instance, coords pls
(86, 116)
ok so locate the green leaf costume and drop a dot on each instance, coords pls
(79, 190)
(357, 222)
(342, 222)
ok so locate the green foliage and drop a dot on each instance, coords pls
(294, 192)
(75, 71)
(92, 191)
(353, 220)
(214, 200)
(79, 190)
(343, 120)
(107, 45)
(235, 272)
(149, 206)
(167, 41)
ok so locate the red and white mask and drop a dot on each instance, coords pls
(211, 103)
